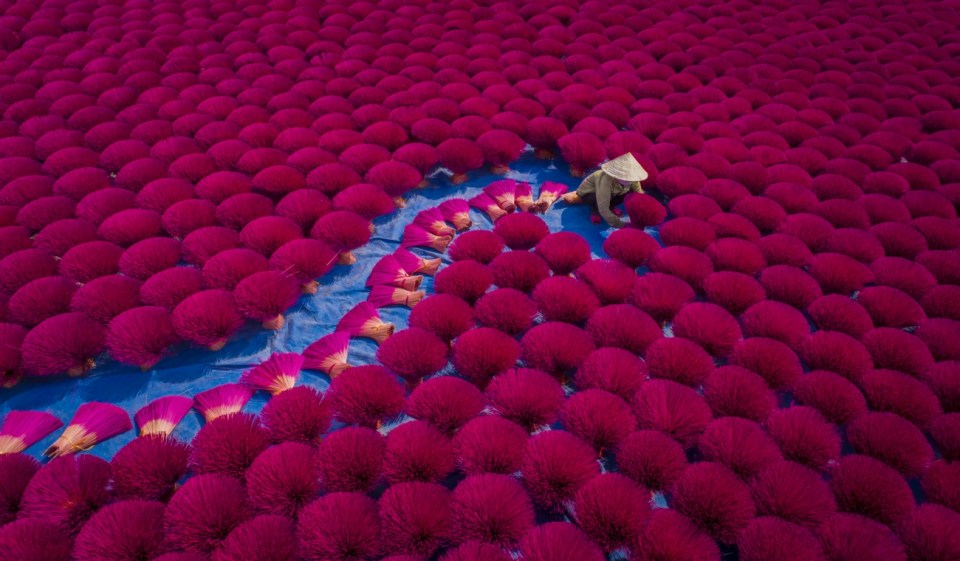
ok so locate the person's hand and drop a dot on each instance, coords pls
(570, 198)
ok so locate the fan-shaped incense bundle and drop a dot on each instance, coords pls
(162, 415)
(433, 221)
(413, 263)
(381, 296)
(456, 212)
(416, 236)
(92, 423)
(276, 374)
(23, 429)
(485, 203)
(503, 192)
(549, 192)
(222, 401)
(523, 196)
(328, 354)
(389, 272)
(363, 320)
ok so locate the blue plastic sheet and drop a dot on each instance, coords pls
(189, 371)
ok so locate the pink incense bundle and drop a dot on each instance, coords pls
(413, 354)
(63, 343)
(456, 212)
(264, 296)
(414, 518)
(389, 272)
(343, 231)
(485, 203)
(33, 538)
(120, 529)
(369, 201)
(228, 445)
(550, 191)
(162, 415)
(500, 148)
(283, 479)
(416, 236)
(460, 155)
(413, 263)
(493, 508)
(299, 414)
(523, 196)
(16, 471)
(305, 260)
(363, 320)
(222, 401)
(67, 491)
(433, 221)
(328, 354)
(503, 193)
(276, 374)
(555, 466)
(23, 429)
(207, 318)
(203, 512)
(340, 527)
(92, 423)
(141, 336)
(351, 460)
(612, 510)
(381, 296)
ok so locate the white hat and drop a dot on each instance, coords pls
(625, 167)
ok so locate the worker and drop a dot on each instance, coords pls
(606, 188)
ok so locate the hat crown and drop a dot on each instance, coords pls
(624, 167)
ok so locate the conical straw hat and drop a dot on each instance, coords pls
(625, 167)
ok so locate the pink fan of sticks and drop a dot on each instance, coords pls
(485, 203)
(162, 415)
(503, 192)
(364, 321)
(415, 236)
(456, 212)
(523, 196)
(550, 191)
(276, 374)
(23, 429)
(389, 272)
(92, 423)
(433, 221)
(328, 354)
(413, 263)
(222, 400)
(382, 296)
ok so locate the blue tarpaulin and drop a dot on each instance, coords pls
(189, 371)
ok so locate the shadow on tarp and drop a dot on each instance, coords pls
(189, 370)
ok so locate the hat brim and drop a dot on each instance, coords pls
(616, 172)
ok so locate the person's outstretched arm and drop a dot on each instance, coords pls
(604, 196)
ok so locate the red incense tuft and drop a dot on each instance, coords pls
(523, 197)
(16, 471)
(414, 518)
(630, 246)
(63, 343)
(732, 291)
(262, 538)
(106, 297)
(413, 354)
(381, 296)
(264, 296)
(34, 539)
(794, 493)
(491, 508)
(851, 537)
(416, 451)
(661, 295)
(366, 395)
(207, 318)
(732, 391)
(40, 299)
(490, 444)
(284, 479)
(444, 315)
(433, 221)
(482, 246)
(941, 484)
(67, 491)
(149, 468)
(714, 499)
(555, 347)
(141, 336)
(670, 536)
(895, 392)
(892, 440)
(500, 148)
(204, 511)
(486, 204)
(506, 309)
(389, 272)
(92, 423)
(564, 252)
(863, 485)
(227, 268)
(23, 429)
(481, 353)
(414, 264)
(276, 374)
(651, 458)
(328, 354)
(528, 397)
(162, 415)
(678, 360)
(228, 445)
(521, 231)
(222, 401)
(343, 231)
(351, 460)
(930, 533)
(558, 541)
(772, 539)
(738, 444)
(305, 260)
(460, 156)
(91, 260)
(456, 212)
(298, 414)
(555, 467)
(340, 527)
(599, 418)
(363, 320)
(445, 402)
(804, 436)
(612, 510)
(123, 530)
(467, 279)
(550, 191)
(673, 409)
(369, 201)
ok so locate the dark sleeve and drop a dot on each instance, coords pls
(603, 203)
